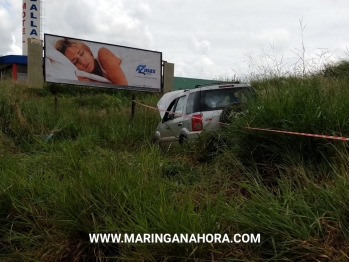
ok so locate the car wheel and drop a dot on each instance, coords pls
(154, 140)
(182, 139)
(229, 111)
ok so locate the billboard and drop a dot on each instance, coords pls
(30, 22)
(81, 62)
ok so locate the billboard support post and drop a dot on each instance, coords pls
(133, 107)
(35, 77)
(56, 104)
(168, 77)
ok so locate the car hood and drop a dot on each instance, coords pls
(166, 100)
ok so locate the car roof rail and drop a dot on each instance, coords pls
(217, 83)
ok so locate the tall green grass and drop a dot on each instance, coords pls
(313, 105)
(88, 168)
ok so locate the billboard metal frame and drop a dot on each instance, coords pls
(111, 86)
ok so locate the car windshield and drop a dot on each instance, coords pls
(219, 98)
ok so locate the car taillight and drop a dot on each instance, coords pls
(196, 123)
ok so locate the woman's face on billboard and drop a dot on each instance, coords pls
(82, 59)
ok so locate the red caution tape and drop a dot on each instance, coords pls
(300, 134)
(255, 128)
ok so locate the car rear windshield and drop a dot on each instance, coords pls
(217, 99)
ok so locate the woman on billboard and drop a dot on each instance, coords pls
(106, 64)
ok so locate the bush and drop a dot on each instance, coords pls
(337, 70)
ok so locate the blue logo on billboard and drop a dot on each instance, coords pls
(142, 69)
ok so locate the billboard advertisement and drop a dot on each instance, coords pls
(30, 22)
(82, 62)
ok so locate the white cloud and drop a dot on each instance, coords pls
(204, 62)
(278, 38)
(7, 26)
(141, 11)
(108, 21)
(15, 48)
(199, 47)
(202, 67)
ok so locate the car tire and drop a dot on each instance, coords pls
(229, 111)
(182, 139)
(155, 140)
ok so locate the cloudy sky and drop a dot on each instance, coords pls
(203, 38)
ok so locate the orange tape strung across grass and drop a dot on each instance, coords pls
(300, 134)
(255, 128)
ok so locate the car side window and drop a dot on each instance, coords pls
(180, 107)
(242, 95)
(169, 112)
(190, 104)
(193, 103)
(218, 99)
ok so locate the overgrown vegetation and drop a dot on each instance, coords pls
(87, 168)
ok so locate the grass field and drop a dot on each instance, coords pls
(85, 167)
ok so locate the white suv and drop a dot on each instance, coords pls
(185, 113)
